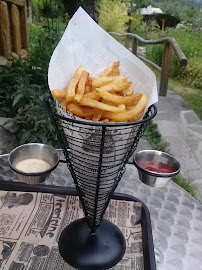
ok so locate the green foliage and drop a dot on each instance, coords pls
(190, 43)
(24, 86)
(112, 15)
(47, 9)
(194, 100)
(37, 6)
(185, 184)
(189, 40)
(186, 11)
(155, 53)
(137, 24)
(153, 136)
(22, 99)
(192, 73)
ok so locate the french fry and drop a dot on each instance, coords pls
(88, 117)
(117, 85)
(106, 72)
(87, 89)
(73, 84)
(121, 94)
(128, 115)
(81, 86)
(119, 99)
(57, 93)
(90, 80)
(92, 95)
(134, 119)
(106, 80)
(78, 73)
(115, 69)
(107, 98)
(128, 92)
(105, 120)
(80, 111)
(111, 71)
(64, 104)
(108, 102)
(97, 115)
(101, 106)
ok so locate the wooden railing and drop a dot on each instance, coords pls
(13, 29)
(169, 44)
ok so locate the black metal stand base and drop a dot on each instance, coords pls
(85, 251)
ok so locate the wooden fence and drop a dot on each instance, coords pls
(169, 44)
(13, 29)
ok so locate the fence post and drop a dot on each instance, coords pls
(127, 41)
(24, 28)
(5, 30)
(165, 69)
(15, 22)
(134, 46)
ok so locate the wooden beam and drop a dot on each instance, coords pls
(5, 30)
(179, 53)
(163, 24)
(165, 69)
(150, 62)
(15, 26)
(24, 28)
(127, 41)
(134, 46)
(19, 3)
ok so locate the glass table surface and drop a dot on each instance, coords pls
(175, 215)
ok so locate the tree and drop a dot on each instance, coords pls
(87, 5)
(113, 15)
(134, 6)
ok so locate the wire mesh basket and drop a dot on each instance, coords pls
(96, 155)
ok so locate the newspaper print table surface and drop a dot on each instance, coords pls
(31, 223)
(176, 216)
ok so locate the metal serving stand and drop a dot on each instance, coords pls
(96, 154)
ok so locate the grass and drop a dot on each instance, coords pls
(154, 138)
(185, 184)
(192, 96)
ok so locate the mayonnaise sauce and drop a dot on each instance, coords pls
(33, 165)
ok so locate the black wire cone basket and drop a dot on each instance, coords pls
(96, 154)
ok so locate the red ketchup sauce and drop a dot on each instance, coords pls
(156, 166)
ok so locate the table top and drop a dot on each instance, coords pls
(175, 215)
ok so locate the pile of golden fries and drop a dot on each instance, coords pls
(107, 98)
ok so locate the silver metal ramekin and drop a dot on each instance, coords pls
(152, 178)
(33, 151)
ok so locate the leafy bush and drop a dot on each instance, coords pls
(185, 184)
(192, 73)
(112, 15)
(47, 9)
(137, 25)
(155, 53)
(153, 136)
(190, 43)
(24, 86)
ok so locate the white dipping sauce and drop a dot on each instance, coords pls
(32, 165)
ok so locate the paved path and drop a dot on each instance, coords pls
(182, 129)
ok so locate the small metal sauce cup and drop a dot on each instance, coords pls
(152, 178)
(33, 151)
